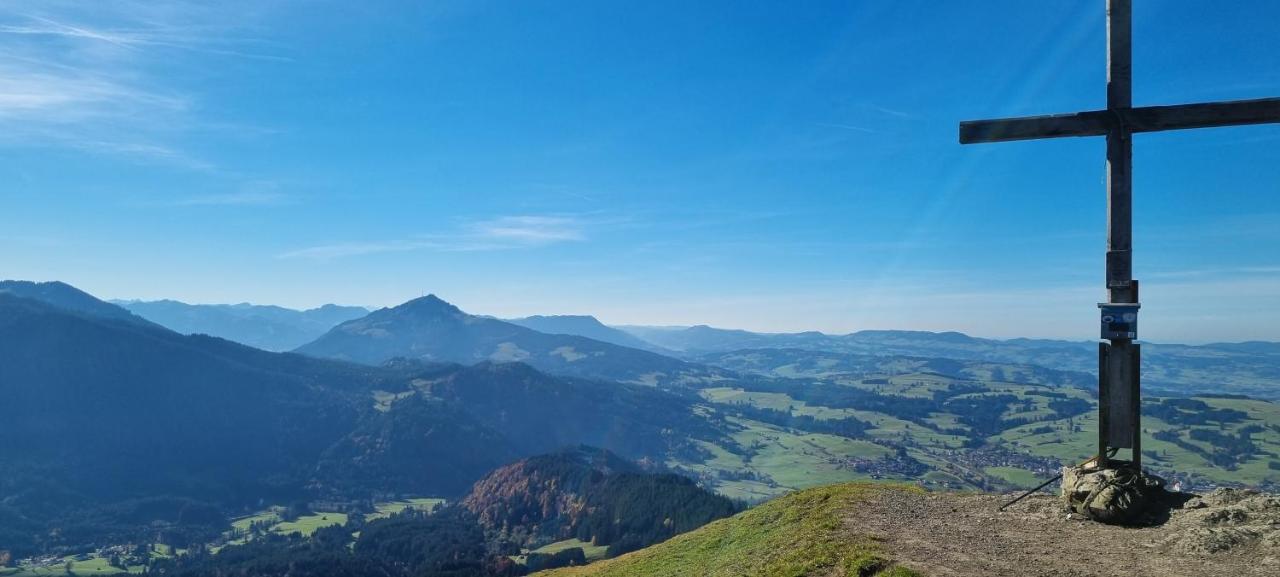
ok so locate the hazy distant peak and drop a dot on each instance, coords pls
(268, 327)
(585, 326)
(945, 336)
(430, 304)
(582, 318)
(330, 307)
(556, 323)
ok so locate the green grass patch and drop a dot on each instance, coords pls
(384, 510)
(1014, 476)
(242, 524)
(799, 534)
(307, 524)
(592, 552)
(94, 565)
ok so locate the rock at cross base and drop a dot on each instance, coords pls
(1116, 496)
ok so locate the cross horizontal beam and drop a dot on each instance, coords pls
(1142, 119)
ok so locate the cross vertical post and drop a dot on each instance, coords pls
(1119, 154)
(1119, 392)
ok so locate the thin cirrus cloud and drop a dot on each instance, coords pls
(501, 233)
(244, 198)
(162, 35)
(84, 79)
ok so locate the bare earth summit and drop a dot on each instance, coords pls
(1227, 532)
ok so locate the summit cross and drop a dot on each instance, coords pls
(1119, 361)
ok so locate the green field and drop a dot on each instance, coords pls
(782, 460)
(1075, 444)
(1015, 476)
(307, 524)
(388, 509)
(777, 460)
(93, 566)
(592, 552)
(270, 516)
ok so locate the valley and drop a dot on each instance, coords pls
(324, 456)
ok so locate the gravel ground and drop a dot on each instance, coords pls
(1223, 533)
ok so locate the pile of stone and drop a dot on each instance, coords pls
(1116, 496)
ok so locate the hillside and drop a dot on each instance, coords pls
(69, 298)
(91, 402)
(593, 496)
(800, 534)
(269, 328)
(220, 427)
(430, 329)
(1015, 423)
(1239, 368)
(511, 523)
(866, 530)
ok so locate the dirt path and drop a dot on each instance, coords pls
(964, 535)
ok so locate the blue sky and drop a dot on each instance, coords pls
(767, 165)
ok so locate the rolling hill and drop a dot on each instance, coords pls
(1250, 368)
(799, 534)
(592, 496)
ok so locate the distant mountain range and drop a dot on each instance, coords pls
(430, 329)
(269, 328)
(1250, 368)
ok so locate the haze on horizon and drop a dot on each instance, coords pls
(767, 167)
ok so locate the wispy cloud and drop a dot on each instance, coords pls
(890, 111)
(529, 230)
(83, 77)
(491, 234)
(243, 198)
(846, 127)
(340, 250)
(60, 96)
(148, 34)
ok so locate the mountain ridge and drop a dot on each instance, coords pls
(431, 329)
(587, 326)
(267, 327)
(70, 298)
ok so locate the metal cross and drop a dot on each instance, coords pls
(1119, 399)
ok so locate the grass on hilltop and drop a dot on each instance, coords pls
(591, 552)
(799, 534)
